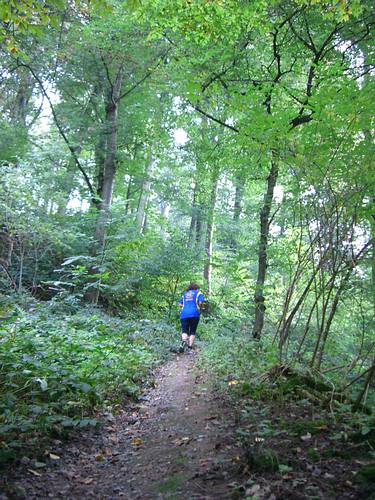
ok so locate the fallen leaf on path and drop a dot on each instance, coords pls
(184, 440)
(34, 472)
(204, 462)
(54, 457)
(99, 457)
(327, 475)
(253, 490)
(306, 437)
(137, 441)
(39, 465)
(89, 480)
(211, 417)
(288, 476)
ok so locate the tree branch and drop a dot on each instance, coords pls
(213, 118)
(61, 130)
(147, 75)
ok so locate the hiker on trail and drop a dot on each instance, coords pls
(191, 303)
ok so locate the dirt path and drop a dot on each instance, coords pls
(175, 445)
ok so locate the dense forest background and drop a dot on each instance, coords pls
(147, 144)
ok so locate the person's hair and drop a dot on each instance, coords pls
(192, 286)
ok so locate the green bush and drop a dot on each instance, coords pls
(235, 360)
(55, 367)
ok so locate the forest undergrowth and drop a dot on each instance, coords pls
(291, 421)
(60, 363)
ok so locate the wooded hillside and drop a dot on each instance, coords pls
(147, 144)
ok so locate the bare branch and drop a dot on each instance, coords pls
(61, 130)
(147, 75)
(213, 118)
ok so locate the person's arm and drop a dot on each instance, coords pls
(200, 301)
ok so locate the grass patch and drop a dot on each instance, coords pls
(172, 483)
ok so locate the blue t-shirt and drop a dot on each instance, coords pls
(189, 302)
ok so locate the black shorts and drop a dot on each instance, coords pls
(189, 325)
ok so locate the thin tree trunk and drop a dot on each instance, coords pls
(200, 195)
(128, 195)
(107, 181)
(373, 259)
(238, 198)
(199, 226)
(207, 272)
(369, 135)
(336, 299)
(172, 300)
(6, 249)
(361, 395)
(109, 172)
(259, 298)
(196, 223)
(22, 258)
(100, 151)
(193, 222)
(145, 192)
(24, 93)
(237, 208)
(284, 333)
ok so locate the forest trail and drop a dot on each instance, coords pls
(175, 444)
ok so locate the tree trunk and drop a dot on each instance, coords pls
(238, 199)
(106, 181)
(207, 272)
(193, 222)
(262, 253)
(361, 395)
(100, 152)
(196, 231)
(199, 226)
(128, 195)
(145, 192)
(373, 259)
(22, 259)
(369, 135)
(239, 185)
(336, 299)
(24, 93)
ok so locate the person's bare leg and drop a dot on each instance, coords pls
(184, 342)
(191, 340)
